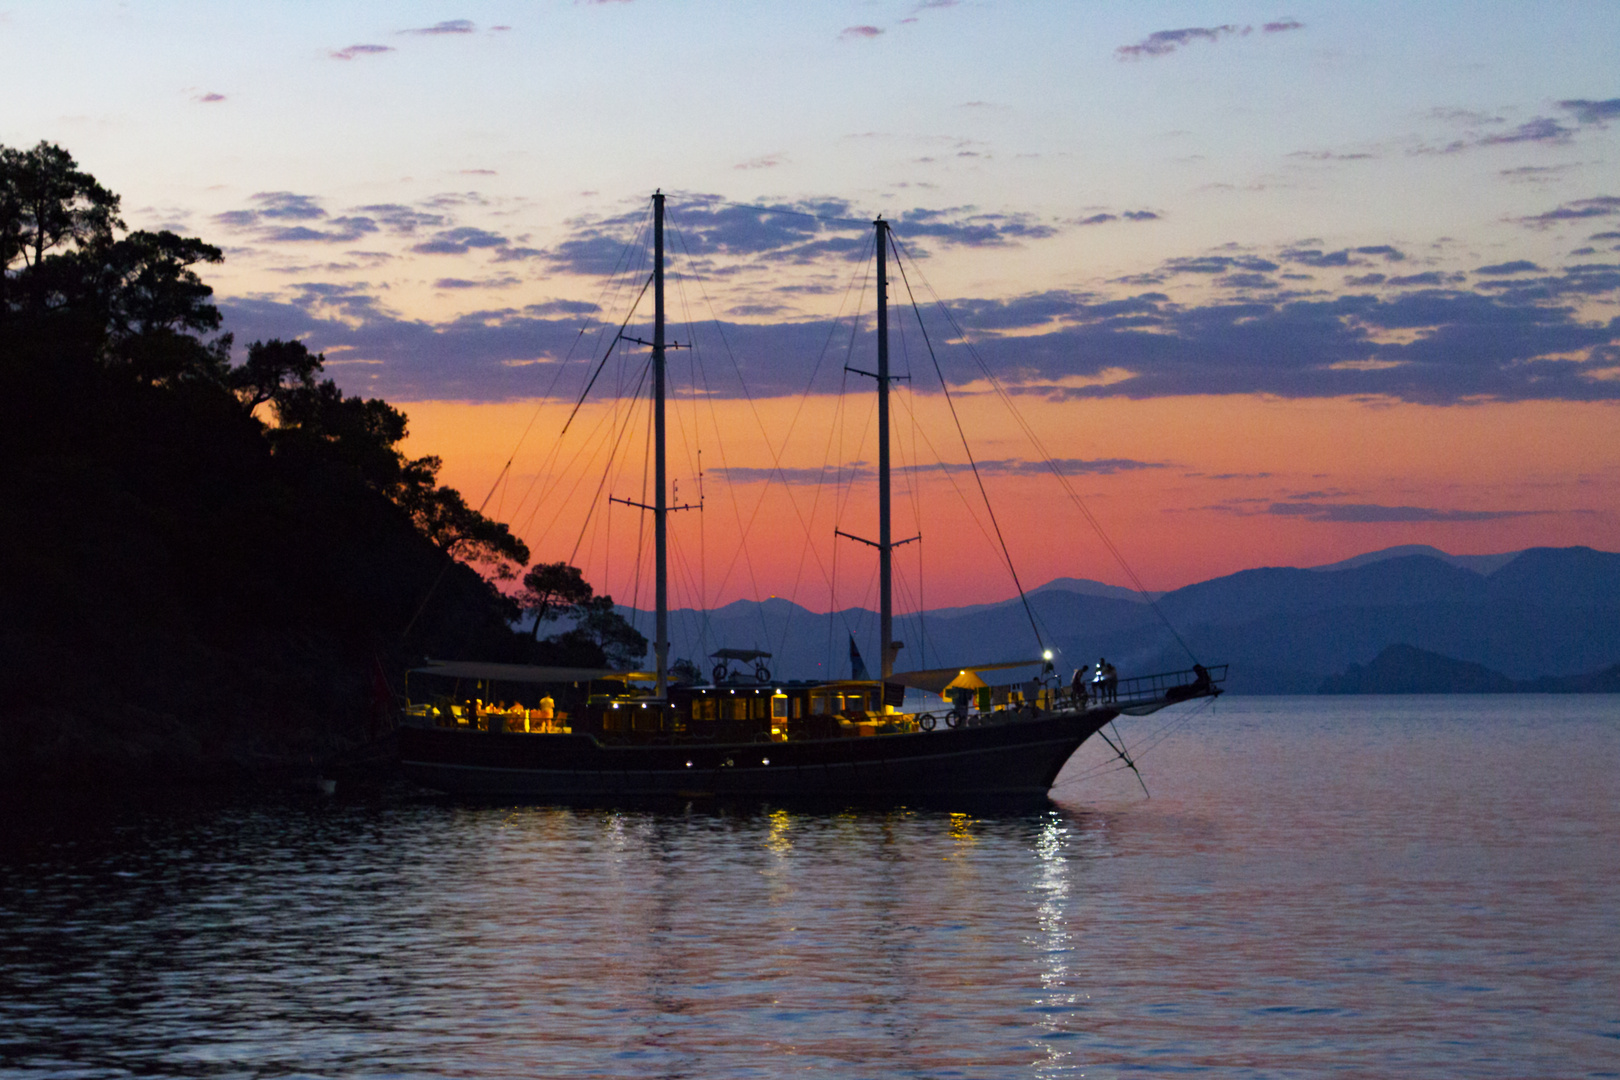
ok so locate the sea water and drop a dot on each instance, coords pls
(1389, 887)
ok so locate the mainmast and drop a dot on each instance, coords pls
(885, 543)
(660, 501)
(885, 540)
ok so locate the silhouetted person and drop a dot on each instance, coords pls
(1077, 687)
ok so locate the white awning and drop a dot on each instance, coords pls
(936, 680)
(515, 673)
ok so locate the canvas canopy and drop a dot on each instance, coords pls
(515, 673)
(937, 680)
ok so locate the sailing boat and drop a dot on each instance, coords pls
(763, 737)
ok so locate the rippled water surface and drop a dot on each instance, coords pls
(1400, 887)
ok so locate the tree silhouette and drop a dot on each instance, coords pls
(47, 203)
(443, 516)
(622, 645)
(273, 368)
(552, 590)
(75, 294)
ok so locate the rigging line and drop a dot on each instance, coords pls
(969, 451)
(561, 367)
(1154, 741)
(445, 569)
(803, 398)
(591, 509)
(616, 283)
(611, 347)
(1051, 465)
(1126, 758)
(950, 478)
(776, 460)
(809, 546)
(604, 428)
(680, 288)
(641, 518)
(914, 492)
(696, 625)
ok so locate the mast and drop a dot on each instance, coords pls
(885, 543)
(660, 501)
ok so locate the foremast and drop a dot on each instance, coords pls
(660, 509)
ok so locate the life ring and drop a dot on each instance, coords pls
(762, 673)
(721, 673)
(954, 719)
(926, 721)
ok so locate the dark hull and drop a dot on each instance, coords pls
(1020, 758)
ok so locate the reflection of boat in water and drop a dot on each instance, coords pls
(593, 733)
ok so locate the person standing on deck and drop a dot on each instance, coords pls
(1077, 687)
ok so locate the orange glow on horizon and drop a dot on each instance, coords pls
(1202, 506)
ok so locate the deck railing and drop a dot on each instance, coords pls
(1137, 690)
(1143, 688)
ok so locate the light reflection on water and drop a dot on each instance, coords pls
(1376, 887)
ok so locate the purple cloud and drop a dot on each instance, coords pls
(354, 51)
(1164, 42)
(1598, 206)
(1592, 112)
(459, 241)
(450, 26)
(1516, 266)
(1540, 130)
(859, 32)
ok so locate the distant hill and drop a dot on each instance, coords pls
(1544, 612)
(1402, 669)
(1479, 564)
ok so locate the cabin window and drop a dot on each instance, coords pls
(735, 708)
(703, 709)
(779, 708)
(819, 704)
(798, 708)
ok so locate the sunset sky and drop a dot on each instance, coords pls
(1276, 285)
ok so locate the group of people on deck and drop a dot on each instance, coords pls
(1104, 680)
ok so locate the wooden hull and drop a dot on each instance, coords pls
(1018, 758)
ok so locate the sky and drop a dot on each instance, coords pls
(1271, 284)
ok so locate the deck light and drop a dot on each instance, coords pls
(1047, 655)
(764, 761)
(688, 764)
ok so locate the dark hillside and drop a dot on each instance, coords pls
(1575, 577)
(192, 587)
(1252, 594)
(176, 600)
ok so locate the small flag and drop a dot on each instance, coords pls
(857, 666)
